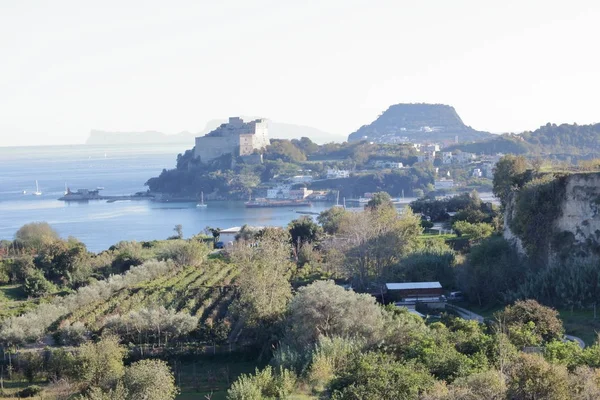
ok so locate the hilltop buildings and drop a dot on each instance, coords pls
(235, 137)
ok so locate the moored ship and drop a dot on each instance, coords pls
(82, 195)
(261, 203)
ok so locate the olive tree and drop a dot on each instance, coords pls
(150, 380)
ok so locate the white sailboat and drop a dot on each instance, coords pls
(337, 200)
(201, 204)
(37, 189)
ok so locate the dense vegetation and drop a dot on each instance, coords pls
(125, 323)
(560, 141)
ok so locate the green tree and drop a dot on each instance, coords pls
(507, 174)
(101, 364)
(36, 285)
(547, 324)
(380, 199)
(326, 309)
(265, 271)
(178, 231)
(183, 252)
(150, 380)
(303, 230)
(427, 265)
(36, 235)
(476, 232)
(330, 219)
(531, 377)
(118, 393)
(377, 376)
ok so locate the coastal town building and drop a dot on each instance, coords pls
(235, 137)
(285, 192)
(464, 158)
(337, 173)
(447, 157)
(301, 179)
(387, 164)
(426, 156)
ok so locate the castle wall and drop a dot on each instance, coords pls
(208, 148)
(237, 137)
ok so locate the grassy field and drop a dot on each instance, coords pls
(581, 323)
(13, 301)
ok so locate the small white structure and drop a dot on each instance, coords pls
(477, 173)
(228, 235)
(337, 173)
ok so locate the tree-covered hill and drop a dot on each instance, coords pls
(433, 122)
(229, 177)
(551, 139)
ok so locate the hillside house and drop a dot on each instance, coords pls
(337, 173)
(413, 292)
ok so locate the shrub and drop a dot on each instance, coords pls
(30, 391)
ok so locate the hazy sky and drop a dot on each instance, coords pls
(70, 66)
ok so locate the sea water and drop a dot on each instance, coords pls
(120, 170)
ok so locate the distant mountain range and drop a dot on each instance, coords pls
(277, 130)
(418, 122)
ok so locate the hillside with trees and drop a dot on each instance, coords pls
(230, 177)
(557, 141)
(418, 122)
(273, 316)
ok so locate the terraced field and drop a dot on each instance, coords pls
(205, 291)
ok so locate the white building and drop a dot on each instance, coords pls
(302, 179)
(388, 164)
(337, 173)
(477, 173)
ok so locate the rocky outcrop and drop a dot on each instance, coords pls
(572, 232)
(434, 122)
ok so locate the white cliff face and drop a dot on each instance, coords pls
(508, 233)
(580, 210)
(577, 225)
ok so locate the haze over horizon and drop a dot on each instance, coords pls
(69, 67)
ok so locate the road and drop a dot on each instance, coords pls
(580, 342)
(470, 315)
(466, 314)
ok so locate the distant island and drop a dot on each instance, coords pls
(277, 130)
(418, 122)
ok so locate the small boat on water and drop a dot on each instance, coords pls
(201, 204)
(37, 189)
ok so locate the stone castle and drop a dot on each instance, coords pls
(235, 137)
